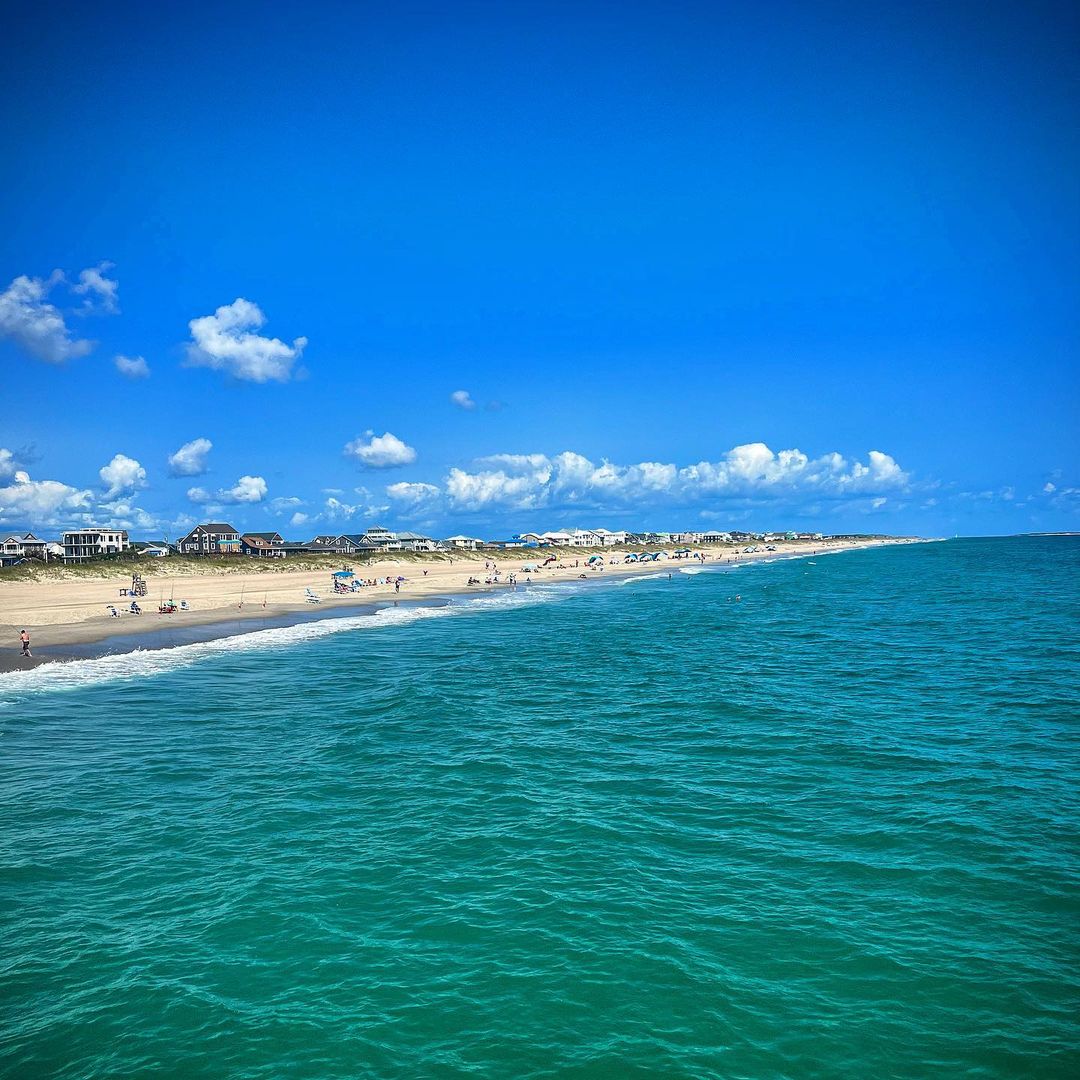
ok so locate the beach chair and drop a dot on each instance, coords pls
(311, 597)
(184, 606)
(113, 613)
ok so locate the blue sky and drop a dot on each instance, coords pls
(692, 265)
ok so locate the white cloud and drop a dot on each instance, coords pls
(133, 367)
(99, 290)
(283, 503)
(225, 341)
(298, 519)
(1049, 488)
(380, 451)
(413, 494)
(462, 399)
(27, 317)
(248, 489)
(336, 509)
(40, 502)
(750, 471)
(122, 474)
(190, 459)
(7, 463)
(122, 515)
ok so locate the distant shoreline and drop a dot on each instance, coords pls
(78, 629)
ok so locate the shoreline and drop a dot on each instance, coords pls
(97, 636)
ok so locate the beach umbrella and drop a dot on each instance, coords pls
(343, 573)
(596, 558)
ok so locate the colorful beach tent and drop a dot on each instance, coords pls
(529, 566)
(343, 573)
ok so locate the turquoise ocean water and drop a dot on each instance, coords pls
(614, 830)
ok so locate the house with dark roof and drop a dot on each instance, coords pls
(353, 544)
(260, 545)
(213, 538)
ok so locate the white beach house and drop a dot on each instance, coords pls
(83, 544)
(466, 543)
(610, 539)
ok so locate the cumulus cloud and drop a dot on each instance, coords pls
(132, 367)
(190, 459)
(462, 399)
(412, 494)
(40, 502)
(750, 471)
(298, 519)
(380, 451)
(122, 474)
(121, 514)
(100, 291)
(226, 341)
(336, 509)
(36, 325)
(7, 463)
(248, 489)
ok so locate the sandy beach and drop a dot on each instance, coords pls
(62, 614)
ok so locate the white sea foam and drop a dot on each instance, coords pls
(15, 686)
(641, 577)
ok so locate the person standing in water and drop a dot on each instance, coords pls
(24, 638)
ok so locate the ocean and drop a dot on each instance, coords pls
(616, 829)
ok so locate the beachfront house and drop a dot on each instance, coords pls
(585, 538)
(261, 545)
(274, 539)
(34, 548)
(716, 538)
(411, 541)
(611, 539)
(11, 550)
(352, 544)
(382, 539)
(516, 542)
(463, 543)
(214, 538)
(556, 539)
(81, 545)
(531, 539)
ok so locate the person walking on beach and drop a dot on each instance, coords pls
(24, 638)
